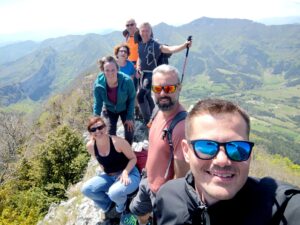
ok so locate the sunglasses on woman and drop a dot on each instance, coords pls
(93, 129)
(237, 151)
(169, 89)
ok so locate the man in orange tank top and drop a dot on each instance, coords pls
(129, 35)
(166, 88)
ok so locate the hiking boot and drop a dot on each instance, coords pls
(128, 219)
(112, 214)
(105, 222)
(109, 222)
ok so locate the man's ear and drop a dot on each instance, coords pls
(185, 149)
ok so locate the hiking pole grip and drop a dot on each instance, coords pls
(188, 47)
(186, 55)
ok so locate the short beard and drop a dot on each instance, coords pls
(165, 106)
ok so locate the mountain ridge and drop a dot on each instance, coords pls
(237, 45)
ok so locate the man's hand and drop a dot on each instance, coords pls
(188, 44)
(129, 125)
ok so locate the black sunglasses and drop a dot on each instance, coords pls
(130, 25)
(235, 150)
(93, 129)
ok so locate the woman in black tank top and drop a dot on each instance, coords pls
(120, 177)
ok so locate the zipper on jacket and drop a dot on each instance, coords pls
(201, 206)
(205, 220)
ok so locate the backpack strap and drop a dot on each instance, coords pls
(154, 54)
(179, 116)
(168, 132)
(153, 115)
(137, 37)
(279, 214)
(125, 34)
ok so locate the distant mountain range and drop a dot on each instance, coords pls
(255, 65)
(280, 20)
(243, 48)
(33, 71)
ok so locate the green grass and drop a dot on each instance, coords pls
(273, 107)
(281, 168)
(200, 87)
(268, 127)
(272, 81)
(281, 93)
(228, 72)
(260, 125)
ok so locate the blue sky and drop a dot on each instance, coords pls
(40, 19)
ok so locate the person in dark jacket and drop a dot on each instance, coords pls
(149, 52)
(114, 96)
(218, 190)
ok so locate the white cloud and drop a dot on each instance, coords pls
(71, 16)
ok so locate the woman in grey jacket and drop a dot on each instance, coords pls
(114, 96)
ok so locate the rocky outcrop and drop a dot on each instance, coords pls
(78, 210)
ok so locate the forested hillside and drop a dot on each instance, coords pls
(39, 161)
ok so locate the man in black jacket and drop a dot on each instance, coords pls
(149, 52)
(218, 190)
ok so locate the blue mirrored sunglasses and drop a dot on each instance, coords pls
(235, 150)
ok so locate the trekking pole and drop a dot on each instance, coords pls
(185, 60)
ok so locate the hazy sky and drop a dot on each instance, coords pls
(46, 18)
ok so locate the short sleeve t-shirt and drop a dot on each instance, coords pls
(128, 69)
(159, 149)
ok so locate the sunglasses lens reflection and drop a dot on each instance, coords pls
(167, 89)
(236, 150)
(157, 89)
(170, 89)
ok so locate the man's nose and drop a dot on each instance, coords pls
(221, 158)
